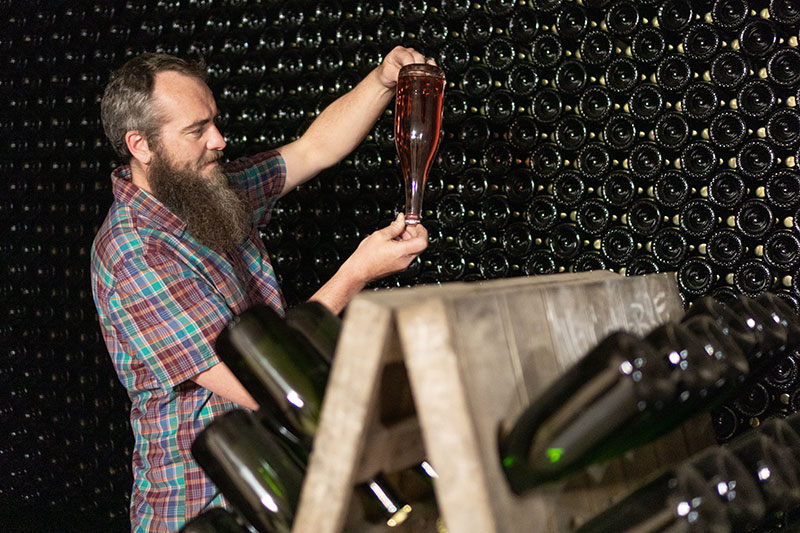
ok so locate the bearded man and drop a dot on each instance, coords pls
(179, 255)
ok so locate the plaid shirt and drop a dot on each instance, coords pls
(162, 299)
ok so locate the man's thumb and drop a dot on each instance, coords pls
(398, 225)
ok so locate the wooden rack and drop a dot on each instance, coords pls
(455, 361)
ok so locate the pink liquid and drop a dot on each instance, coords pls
(418, 122)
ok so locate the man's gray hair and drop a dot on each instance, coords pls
(127, 103)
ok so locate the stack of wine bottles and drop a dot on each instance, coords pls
(258, 460)
(630, 135)
(629, 391)
(751, 484)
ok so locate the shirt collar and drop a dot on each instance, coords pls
(126, 192)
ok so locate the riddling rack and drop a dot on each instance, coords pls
(462, 358)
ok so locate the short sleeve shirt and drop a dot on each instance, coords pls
(162, 298)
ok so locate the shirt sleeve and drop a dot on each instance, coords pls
(168, 316)
(261, 177)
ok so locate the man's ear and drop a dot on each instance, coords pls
(138, 146)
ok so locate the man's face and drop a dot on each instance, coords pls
(187, 136)
(183, 172)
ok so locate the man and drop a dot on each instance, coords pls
(179, 255)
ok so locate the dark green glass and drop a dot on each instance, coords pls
(252, 468)
(318, 325)
(284, 364)
(678, 501)
(276, 365)
(572, 424)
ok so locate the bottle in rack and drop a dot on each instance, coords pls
(283, 368)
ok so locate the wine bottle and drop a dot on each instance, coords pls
(619, 131)
(644, 217)
(673, 73)
(523, 133)
(697, 217)
(755, 158)
(565, 428)
(671, 131)
(646, 102)
(728, 14)
(671, 189)
(698, 159)
(618, 245)
(595, 106)
(540, 263)
(783, 128)
(758, 37)
(782, 250)
(669, 247)
(675, 15)
(645, 161)
(677, 500)
(756, 99)
(593, 216)
(729, 69)
(565, 241)
(571, 22)
(546, 160)
(725, 248)
(546, 106)
(280, 367)
(473, 184)
(517, 239)
(252, 468)
(594, 160)
(772, 468)
(542, 213)
(571, 77)
(727, 129)
(648, 45)
(546, 50)
(596, 48)
(700, 101)
(754, 219)
(701, 41)
(618, 189)
(726, 189)
(728, 480)
(783, 67)
(621, 75)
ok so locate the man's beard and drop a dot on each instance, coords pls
(215, 213)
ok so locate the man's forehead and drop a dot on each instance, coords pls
(179, 96)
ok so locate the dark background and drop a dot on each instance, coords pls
(494, 207)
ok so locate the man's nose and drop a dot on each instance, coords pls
(216, 141)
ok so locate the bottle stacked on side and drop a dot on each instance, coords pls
(750, 484)
(629, 391)
(258, 459)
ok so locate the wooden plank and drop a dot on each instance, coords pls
(447, 427)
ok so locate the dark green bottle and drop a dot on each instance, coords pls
(678, 500)
(573, 422)
(253, 469)
(286, 370)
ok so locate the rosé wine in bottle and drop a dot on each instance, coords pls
(417, 128)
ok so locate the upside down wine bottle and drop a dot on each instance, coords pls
(418, 122)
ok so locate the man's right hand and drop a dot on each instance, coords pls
(383, 252)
